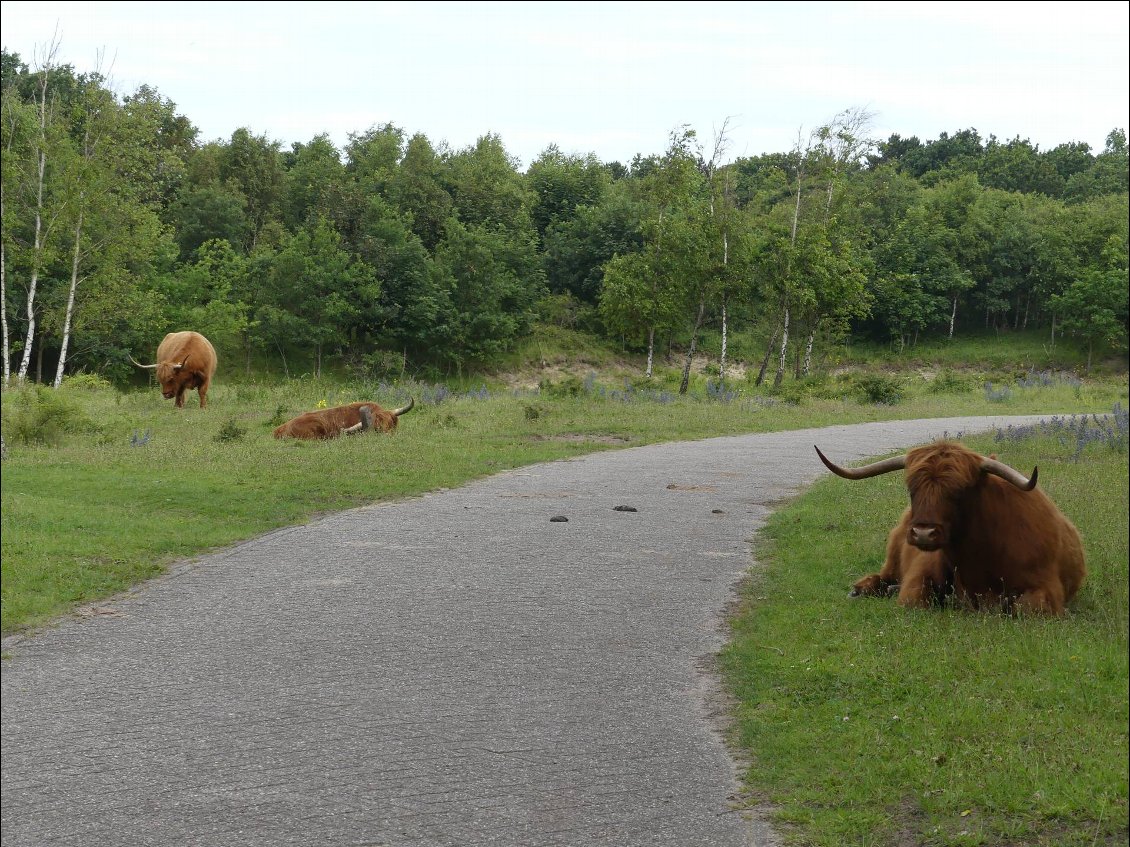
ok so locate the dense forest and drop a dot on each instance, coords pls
(120, 224)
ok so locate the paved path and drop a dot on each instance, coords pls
(449, 670)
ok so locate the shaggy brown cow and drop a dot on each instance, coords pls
(185, 360)
(342, 420)
(977, 527)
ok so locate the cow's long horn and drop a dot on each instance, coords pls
(396, 413)
(181, 365)
(132, 359)
(1010, 474)
(896, 463)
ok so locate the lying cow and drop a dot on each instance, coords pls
(342, 420)
(975, 527)
(185, 360)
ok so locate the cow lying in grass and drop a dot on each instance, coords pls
(977, 528)
(342, 420)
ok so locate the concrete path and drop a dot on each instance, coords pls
(450, 670)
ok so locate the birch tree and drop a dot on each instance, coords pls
(85, 184)
(42, 229)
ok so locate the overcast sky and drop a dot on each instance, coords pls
(608, 78)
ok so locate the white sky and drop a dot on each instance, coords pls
(610, 78)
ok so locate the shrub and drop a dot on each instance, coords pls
(879, 388)
(86, 382)
(571, 386)
(41, 416)
(948, 382)
(230, 431)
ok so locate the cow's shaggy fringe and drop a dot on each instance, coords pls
(1076, 431)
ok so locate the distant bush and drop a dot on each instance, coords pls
(880, 389)
(86, 382)
(571, 386)
(948, 382)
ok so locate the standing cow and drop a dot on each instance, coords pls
(342, 420)
(977, 527)
(185, 360)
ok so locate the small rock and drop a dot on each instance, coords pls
(624, 509)
(717, 512)
(559, 519)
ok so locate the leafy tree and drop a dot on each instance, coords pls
(561, 184)
(206, 213)
(416, 189)
(578, 247)
(1095, 306)
(642, 295)
(493, 280)
(318, 292)
(313, 182)
(252, 165)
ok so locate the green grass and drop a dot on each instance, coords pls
(870, 724)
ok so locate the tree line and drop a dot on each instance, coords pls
(120, 224)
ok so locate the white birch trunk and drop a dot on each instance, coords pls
(722, 360)
(784, 351)
(650, 350)
(36, 259)
(953, 316)
(808, 353)
(70, 296)
(37, 256)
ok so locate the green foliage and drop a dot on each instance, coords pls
(295, 259)
(231, 431)
(86, 382)
(880, 388)
(570, 386)
(41, 416)
(950, 382)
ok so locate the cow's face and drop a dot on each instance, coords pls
(933, 516)
(173, 378)
(937, 480)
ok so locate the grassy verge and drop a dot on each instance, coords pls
(868, 724)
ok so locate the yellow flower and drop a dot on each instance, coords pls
(322, 404)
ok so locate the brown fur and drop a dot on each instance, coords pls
(979, 536)
(329, 423)
(185, 360)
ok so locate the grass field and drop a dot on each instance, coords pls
(867, 724)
